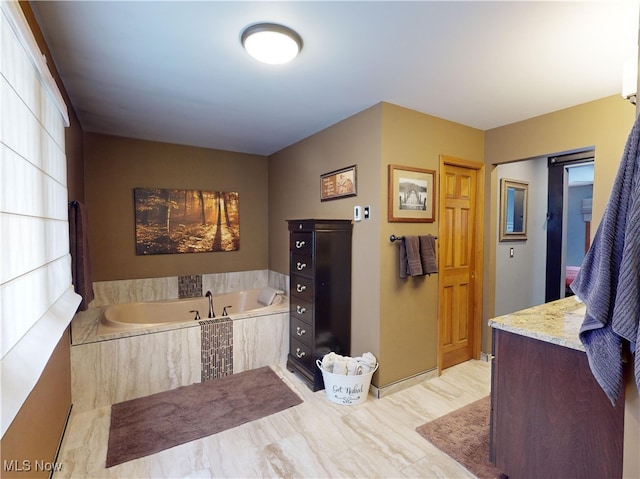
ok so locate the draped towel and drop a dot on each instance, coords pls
(428, 254)
(417, 256)
(79, 249)
(609, 278)
(410, 263)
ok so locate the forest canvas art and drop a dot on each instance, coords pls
(186, 221)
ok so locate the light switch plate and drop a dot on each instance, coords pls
(357, 213)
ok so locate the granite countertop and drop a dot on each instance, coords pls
(556, 322)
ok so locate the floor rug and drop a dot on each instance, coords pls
(150, 424)
(464, 435)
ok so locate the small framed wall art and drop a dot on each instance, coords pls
(513, 210)
(411, 194)
(338, 184)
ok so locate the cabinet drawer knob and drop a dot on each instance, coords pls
(300, 244)
(300, 266)
(300, 332)
(300, 354)
(300, 287)
(300, 309)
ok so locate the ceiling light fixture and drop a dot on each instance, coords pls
(271, 43)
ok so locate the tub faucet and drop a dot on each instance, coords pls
(210, 296)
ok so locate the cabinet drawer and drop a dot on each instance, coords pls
(301, 331)
(301, 287)
(301, 243)
(302, 265)
(301, 352)
(301, 309)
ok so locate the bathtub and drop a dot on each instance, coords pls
(131, 316)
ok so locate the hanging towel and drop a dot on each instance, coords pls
(402, 253)
(609, 278)
(410, 263)
(428, 254)
(79, 249)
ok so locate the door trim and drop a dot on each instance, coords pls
(556, 216)
(479, 248)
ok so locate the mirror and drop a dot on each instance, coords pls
(513, 210)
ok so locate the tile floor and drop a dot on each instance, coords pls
(317, 439)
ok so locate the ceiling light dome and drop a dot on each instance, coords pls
(271, 43)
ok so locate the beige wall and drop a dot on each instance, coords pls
(401, 325)
(409, 308)
(36, 431)
(394, 319)
(114, 166)
(294, 193)
(603, 124)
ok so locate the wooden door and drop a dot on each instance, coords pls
(460, 261)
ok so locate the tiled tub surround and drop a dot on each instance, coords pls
(153, 289)
(132, 364)
(217, 348)
(120, 366)
(190, 286)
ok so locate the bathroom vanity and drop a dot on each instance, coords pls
(320, 294)
(549, 416)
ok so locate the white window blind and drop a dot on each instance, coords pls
(37, 301)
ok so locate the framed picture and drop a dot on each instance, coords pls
(338, 184)
(185, 221)
(513, 210)
(411, 194)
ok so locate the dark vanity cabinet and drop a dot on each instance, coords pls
(320, 294)
(549, 417)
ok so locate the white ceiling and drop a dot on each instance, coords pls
(175, 71)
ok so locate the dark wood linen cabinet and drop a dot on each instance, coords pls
(320, 294)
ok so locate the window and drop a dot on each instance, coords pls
(37, 300)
